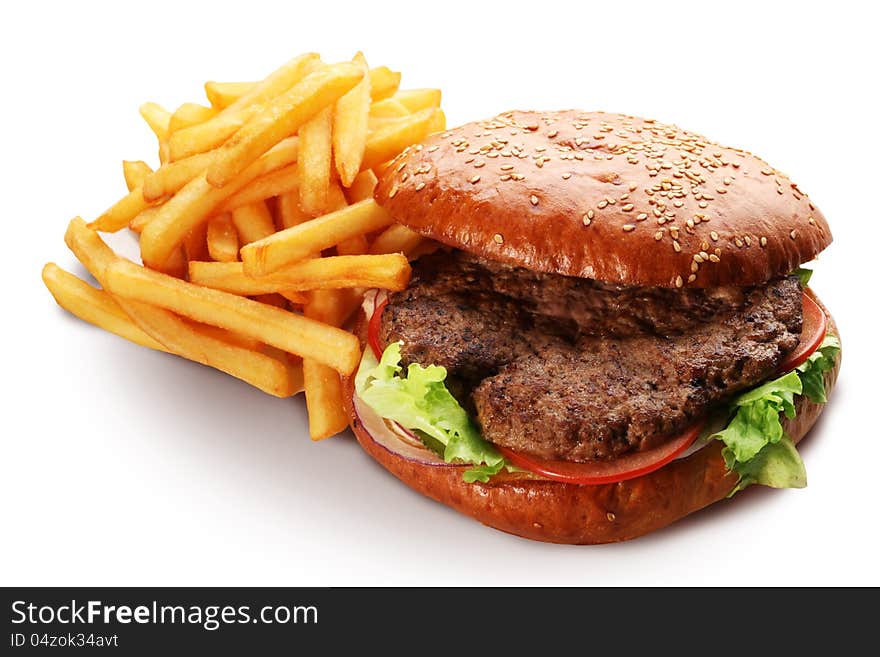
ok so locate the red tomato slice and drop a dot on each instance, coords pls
(373, 329)
(812, 333)
(622, 468)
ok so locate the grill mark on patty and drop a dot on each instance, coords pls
(575, 369)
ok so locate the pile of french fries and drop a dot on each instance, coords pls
(258, 230)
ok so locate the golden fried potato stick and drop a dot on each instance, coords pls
(350, 123)
(383, 82)
(223, 94)
(170, 178)
(189, 114)
(142, 219)
(362, 187)
(212, 133)
(418, 99)
(299, 242)
(195, 204)
(280, 118)
(158, 118)
(177, 336)
(327, 416)
(315, 145)
(289, 212)
(195, 246)
(94, 306)
(135, 172)
(287, 331)
(385, 143)
(390, 108)
(388, 271)
(253, 222)
(274, 183)
(223, 244)
(396, 239)
(121, 213)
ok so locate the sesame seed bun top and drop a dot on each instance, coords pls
(605, 196)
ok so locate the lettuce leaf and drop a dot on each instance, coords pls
(804, 274)
(420, 401)
(755, 444)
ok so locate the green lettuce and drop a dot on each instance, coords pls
(804, 275)
(420, 402)
(755, 444)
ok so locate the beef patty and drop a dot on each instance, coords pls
(574, 369)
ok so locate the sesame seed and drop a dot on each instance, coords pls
(793, 234)
(763, 241)
(533, 199)
(474, 180)
(714, 236)
(479, 163)
(748, 240)
(586, 219)
(602, 204)
(590, 214)
(698, 258)
(695, 267)
(738, 242)
(678, 281)
(506, 167)
(692, 278)
(641, 216)
(393, 192)
(611, 517)
(566, 175)
(767, 172)
(628, 207)
(420, 186)
(498, 239)
(704, 255)
(704, 246)
(675, 245)
(552, 133)
(628, 228)
(658, 235)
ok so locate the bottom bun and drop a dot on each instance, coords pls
(569, 513)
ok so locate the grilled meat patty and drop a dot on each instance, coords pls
(574, 369)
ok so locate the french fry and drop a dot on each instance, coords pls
(172, 177)
(189, 207)
(314, 162)
(353, 246)
(327, 416)
(418, 99)
(388, 271)
(384, 144)
(362, 187)
(142, 219)
(222, 238)
(335, 307)
(274, 183)
(272, 300)
(135, 172)
(175, 265)
(121, 213)
(299, 242)
(93, 306)
(255, 368)
(195, 246)
(289, 212)
(189, 114)
(292, 333)
(295, 298)
(158, 118)
(280, 118)
(383, 82)
(223, 94)
(350, 127)
(212, 133)
(396, 239)
(253, 222)
(389, 108)
(226, 336)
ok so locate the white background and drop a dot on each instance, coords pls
(125, 466)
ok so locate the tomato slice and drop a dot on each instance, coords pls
(373, 329)
(622, 468)
(812, 333)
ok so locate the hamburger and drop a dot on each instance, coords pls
(613, 332)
